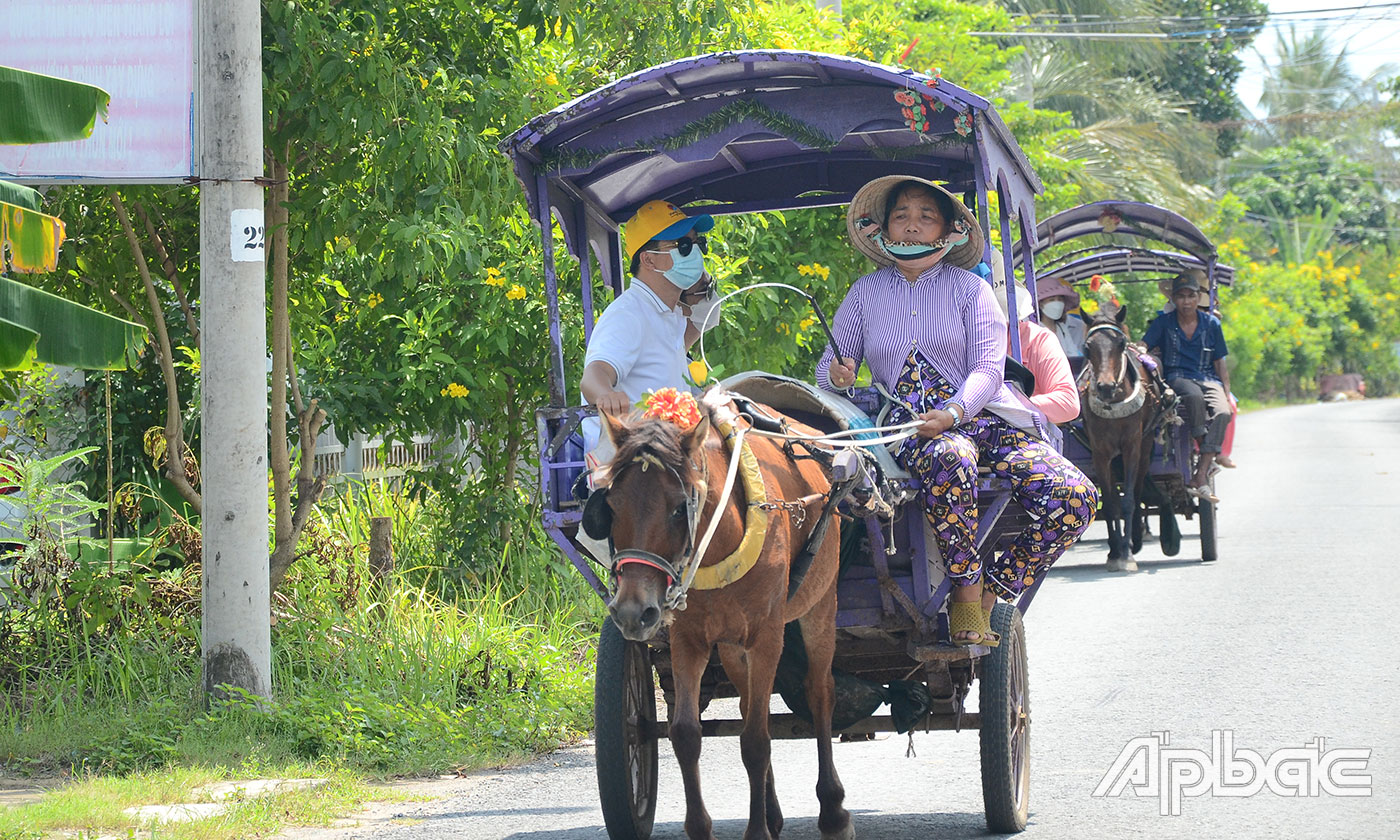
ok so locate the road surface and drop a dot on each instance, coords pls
(1292, 636)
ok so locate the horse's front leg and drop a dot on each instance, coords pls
(1108, 503)
(753, 670)
(819, 637)
(688, 660)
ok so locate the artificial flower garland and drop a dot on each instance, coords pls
(673, 406)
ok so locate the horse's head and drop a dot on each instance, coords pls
(650, 508)
(1105, 347)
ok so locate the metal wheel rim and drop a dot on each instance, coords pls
(1020, 712)
(640, 730)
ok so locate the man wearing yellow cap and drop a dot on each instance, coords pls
(639, 344)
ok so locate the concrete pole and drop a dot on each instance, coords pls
(834, 5)
(237, 635)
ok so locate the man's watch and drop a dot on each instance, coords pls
(955, 410)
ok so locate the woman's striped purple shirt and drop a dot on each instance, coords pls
(949, 316)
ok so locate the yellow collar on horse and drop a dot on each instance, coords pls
(736, 565)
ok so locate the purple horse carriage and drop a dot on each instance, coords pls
(751, 131)
(1115, 232)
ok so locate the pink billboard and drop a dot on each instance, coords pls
(139, 51)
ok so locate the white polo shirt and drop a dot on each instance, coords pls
(644, 341)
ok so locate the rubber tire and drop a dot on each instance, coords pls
(1205, 511)
(625, 744)
(1004, 704)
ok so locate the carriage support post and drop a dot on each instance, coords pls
(585, 270)
(1004, 222)
(551, 291)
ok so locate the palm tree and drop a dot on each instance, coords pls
(1311, 77)
(1136, 141)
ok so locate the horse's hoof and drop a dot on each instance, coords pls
(847, 833)
(1115, 564)
(1128, 565)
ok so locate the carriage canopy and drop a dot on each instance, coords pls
(1081, 265)
(756, 130)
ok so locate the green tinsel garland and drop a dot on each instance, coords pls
(733, 114)
(707, 126)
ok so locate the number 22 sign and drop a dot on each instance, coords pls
(246, 236)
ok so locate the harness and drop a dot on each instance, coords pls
(1138, 396)
(686, 573)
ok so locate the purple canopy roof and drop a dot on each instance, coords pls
(1146, 221)
(1121, 260)
(756, 130)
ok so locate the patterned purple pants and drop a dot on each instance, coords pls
(1060, 499)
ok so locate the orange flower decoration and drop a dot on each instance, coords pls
(1095, 282)
(673, 406)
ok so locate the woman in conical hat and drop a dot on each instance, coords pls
(932, 334)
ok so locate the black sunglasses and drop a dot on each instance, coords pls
(684, 246)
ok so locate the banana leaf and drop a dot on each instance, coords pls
(31, 238)
(67, 333)
(45, 109)
(22, 196)
(18, 345)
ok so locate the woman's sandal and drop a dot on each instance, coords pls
(967, 617)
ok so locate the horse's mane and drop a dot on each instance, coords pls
(659, 439)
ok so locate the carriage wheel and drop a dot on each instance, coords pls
(1005, 705)
(1205, 511)
(624, 709)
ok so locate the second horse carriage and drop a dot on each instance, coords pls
(1112, 238)
(746, 132)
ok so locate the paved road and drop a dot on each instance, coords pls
(1292, 635)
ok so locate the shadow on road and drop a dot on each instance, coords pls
(868, 827)
(1088, 572)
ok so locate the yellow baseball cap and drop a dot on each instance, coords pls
(661, 220)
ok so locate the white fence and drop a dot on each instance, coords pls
(367, 458)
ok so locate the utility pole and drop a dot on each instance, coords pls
(237, 643)
(834, 5)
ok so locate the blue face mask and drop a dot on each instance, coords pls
(685, 271)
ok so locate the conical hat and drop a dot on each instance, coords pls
(866, 217)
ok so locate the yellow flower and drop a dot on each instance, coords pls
(422, 80)
(821, 270)
(699, 372)
(804, 270)
(806, 323)
(374, 300)
(493, 277)
(1089, 305)
(551, 80)
(784, 329)
(517, 292)
(454, 390)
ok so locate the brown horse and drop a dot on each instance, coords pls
(652, 479)
(1120, 417)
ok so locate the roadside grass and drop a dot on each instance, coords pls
(96, 806)
(372, 679)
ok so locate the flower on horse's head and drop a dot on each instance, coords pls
(673, 406)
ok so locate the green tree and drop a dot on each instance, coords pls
(1308, 178)
(1203, 67)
